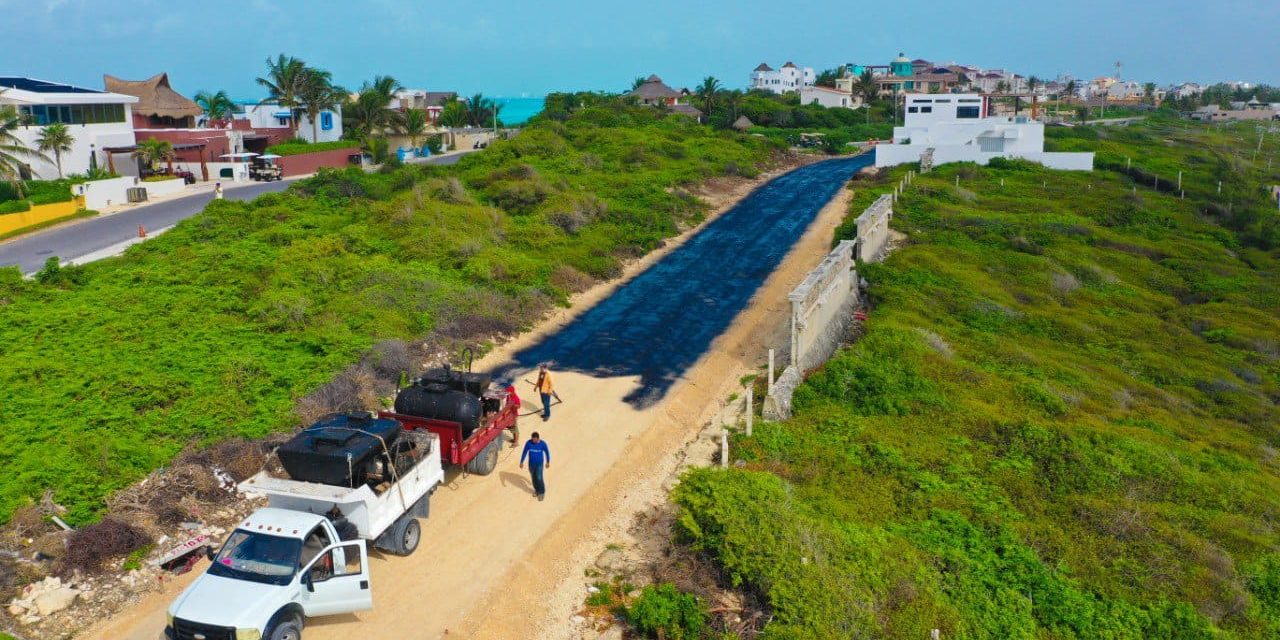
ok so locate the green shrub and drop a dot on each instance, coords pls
(294, 148)
(15, 206)
(665, 612)
(133, 561)
(160, 178)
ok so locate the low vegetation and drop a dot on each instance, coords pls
(300, 147)
(237, 321)
(1060, 423)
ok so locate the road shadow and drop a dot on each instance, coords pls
(657, 325)
(518, 480)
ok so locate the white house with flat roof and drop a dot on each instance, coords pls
(958, 127)
(273, 116)
(96, 119)
(830, 98)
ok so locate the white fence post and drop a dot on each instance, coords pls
(751, 392)
(770, 371)
(724, 448)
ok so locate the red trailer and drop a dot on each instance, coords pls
(479, 453)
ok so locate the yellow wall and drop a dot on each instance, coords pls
(37, 214)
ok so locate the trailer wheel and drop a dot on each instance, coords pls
(290, 629)
(486, 461)
(408, 533)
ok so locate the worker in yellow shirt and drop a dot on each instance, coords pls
(545, 389)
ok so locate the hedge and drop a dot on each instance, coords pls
(295, 148)
(15, 206)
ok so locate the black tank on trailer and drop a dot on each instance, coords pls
(436, 400)
(338, 449)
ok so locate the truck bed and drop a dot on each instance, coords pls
(456, 449)
(371, 513)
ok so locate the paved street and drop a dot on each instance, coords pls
(70, 241)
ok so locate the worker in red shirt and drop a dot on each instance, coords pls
(514, 400)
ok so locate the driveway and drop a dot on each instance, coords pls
(72, 241)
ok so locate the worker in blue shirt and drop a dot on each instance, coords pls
(539, 455)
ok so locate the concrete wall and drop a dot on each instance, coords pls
(305, 163)
(890, 155)
(38, 214)
(820, 307)
(118, 134)
(164, 187)
(873, 230)
(99, 194)
(239, 170)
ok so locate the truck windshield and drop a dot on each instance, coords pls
(258, 557)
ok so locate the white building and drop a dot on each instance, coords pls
(96, 119)
(273, 116)
(958, 128)
(830, 98)
(788, 78)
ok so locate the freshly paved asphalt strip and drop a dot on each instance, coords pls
(72, 241)
(657, 325)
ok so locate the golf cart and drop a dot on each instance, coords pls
(264, 169)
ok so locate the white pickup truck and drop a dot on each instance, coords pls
(304, 555)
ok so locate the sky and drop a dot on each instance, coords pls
(518, 47)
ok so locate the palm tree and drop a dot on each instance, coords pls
(370, 114)
(866, 87)
(384, 85)
(12, 150)
(217, 106)
(285, 80)
(481, 110)
(1149, 93)
(58, 139)
(733, 100)
(317, 95)
(454, 114)
(1071, 88)
(706, 93)
(414, 126)
(635, 84)
(152, 151)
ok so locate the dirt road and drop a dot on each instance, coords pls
(492, 555)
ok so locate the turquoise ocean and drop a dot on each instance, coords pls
(517, 111)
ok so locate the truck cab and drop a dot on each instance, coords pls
(276, 569)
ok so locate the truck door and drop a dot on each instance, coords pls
(337, 581)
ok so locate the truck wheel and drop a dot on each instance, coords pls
(486, 461)
(290, 629)
(408, 534)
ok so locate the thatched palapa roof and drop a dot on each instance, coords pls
(155, 96)
(743, 123)
(653, 88)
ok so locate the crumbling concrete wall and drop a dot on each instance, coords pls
(777, 405)
(873, 229)
(822, 306)
(821, 310)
